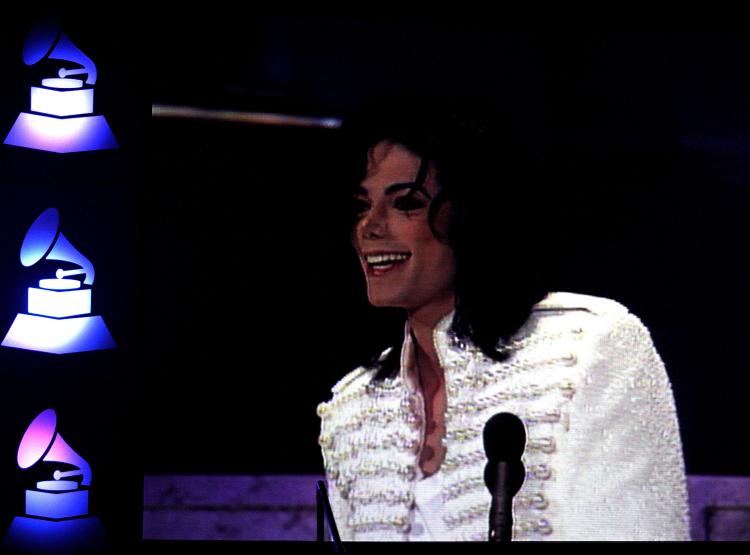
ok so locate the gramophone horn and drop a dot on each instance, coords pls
(42, 38)
(40, 237)
(41, 442)
(60, 451)
(44, 240)
(37, 439)
(47, 41)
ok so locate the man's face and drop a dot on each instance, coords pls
(404, 263)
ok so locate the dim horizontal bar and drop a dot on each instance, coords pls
(254, 118)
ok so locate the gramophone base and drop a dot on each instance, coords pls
(57, 504)
(36, 535)
(63, 336)
(61, 135)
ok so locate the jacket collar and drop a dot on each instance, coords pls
(455, 353)
(444, 342)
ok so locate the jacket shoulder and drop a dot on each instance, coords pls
(349, 388)
(353, 381)
(358, 378)
(599, 306)
(599, 318)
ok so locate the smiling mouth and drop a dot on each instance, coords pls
(379, 264)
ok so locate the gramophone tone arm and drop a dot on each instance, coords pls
(59, 474)
(60, 274)
(63, 72)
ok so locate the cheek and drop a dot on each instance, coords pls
(355, 234)
(438, 258)
(443, 218)
(422, 238)
(446, 263)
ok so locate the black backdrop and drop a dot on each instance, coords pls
(224, 269)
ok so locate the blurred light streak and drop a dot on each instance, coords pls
(253, 118)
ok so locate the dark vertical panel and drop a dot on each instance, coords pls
(94, 394)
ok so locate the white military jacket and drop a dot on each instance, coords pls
(603, 455)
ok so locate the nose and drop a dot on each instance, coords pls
(373, 225)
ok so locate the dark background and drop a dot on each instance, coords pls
(223, 265)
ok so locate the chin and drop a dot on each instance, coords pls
(381, 301)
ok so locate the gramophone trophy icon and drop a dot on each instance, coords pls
(56, 519)
(61, 118)
(59, 316)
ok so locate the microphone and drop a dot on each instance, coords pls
(504, 442)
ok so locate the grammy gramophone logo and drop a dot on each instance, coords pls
(59, 318)
(61, 116)
(56, 518)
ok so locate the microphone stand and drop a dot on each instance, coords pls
(501, 508)
(325, 515)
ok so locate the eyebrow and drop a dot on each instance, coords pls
(395, 188)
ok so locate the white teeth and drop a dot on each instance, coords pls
(380, 258)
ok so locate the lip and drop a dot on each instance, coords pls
(374, 272)
(364, 254)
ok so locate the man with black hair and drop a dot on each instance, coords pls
(444, 211)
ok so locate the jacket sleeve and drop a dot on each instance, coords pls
(624, 478)
(340, 509)
(339, 506)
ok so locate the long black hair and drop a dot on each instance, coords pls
(484, 169)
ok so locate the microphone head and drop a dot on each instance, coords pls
(504, 438)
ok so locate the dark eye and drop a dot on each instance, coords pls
(408, 203)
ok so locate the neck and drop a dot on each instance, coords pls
(422, 322)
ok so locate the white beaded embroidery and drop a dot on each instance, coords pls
(581, 360)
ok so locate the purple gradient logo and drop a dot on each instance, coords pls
(57, 511)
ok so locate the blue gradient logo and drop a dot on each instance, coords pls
(61, 116)
(56, 519)
(59, 316)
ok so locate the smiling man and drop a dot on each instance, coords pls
(441, 210)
